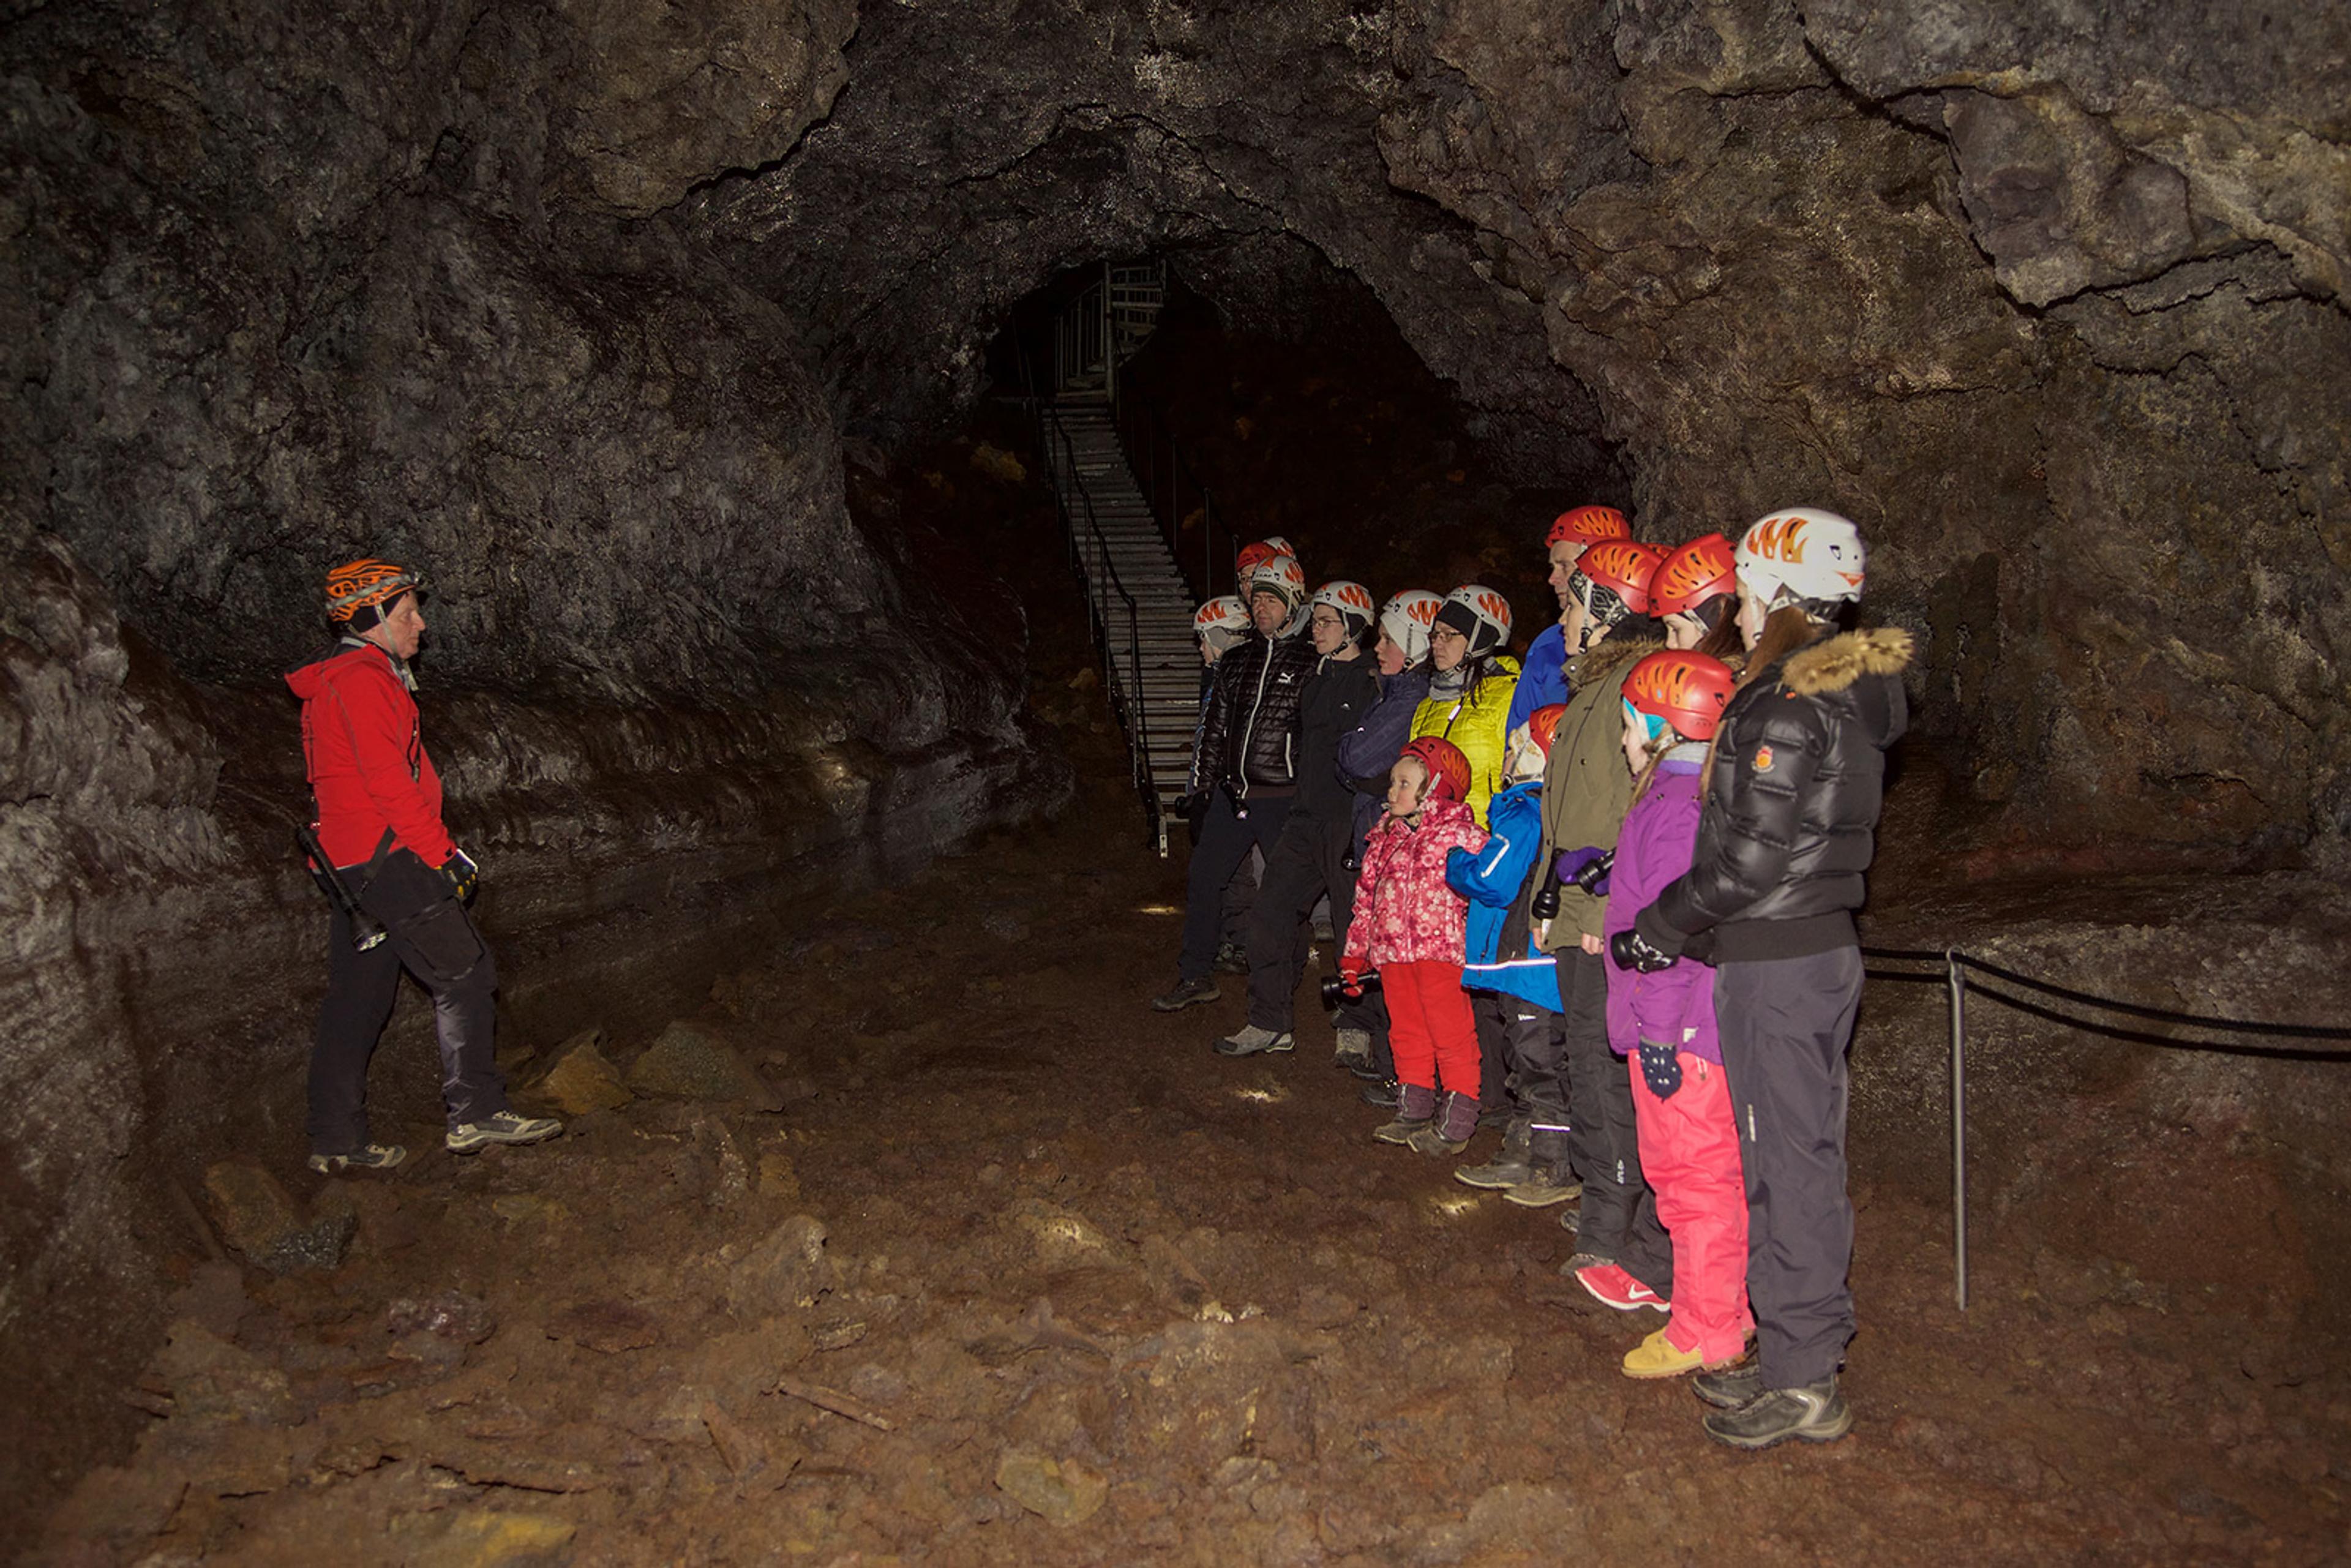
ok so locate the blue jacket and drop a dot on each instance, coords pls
(1496, 881)
(1543, 679)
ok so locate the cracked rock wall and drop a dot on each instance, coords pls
(2049, 301)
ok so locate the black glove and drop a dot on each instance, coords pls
(1661, 1069)
(463, 874)
(1632, 952)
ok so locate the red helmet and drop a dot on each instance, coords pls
(1686, 690)
(357, 584)
(1693, 574)
(1253, 556)
(1449, 769)
(1624, 568)
(1588, 526)
(1543, 724)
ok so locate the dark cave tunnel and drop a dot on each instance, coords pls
(699, 366)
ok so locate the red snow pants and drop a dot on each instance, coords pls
(1432, 1029)
(1690, 1152)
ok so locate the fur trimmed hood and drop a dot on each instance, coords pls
(1610, 659)
(1838, 663)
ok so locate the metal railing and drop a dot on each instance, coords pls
(1165, 474)
(1083, 342)
(1088, 545)
(1951, 966)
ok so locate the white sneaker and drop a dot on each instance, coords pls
(506, 1127)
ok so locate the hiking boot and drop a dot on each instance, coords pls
(1572, 1221)
(1728, 1387)
(1507, 1169)
(1542, 1188)
(1415, 1106)
(1658, 1357)
(1382, 1093)
(1449, 1131)
(1251, 1040)
(506, 1127)
(1185, 994)
(1817, 1412)
(368, 1158)
(1355, 1052)
(1231, 959)
(1612, 1287)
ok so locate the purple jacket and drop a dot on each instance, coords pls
(1673, 1006)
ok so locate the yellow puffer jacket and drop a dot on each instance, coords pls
(1478, 723)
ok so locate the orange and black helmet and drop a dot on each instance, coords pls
(1686, 690)
(1624, 568)
(361, 584)
(1698, 571)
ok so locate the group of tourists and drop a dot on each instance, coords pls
(1601, 900)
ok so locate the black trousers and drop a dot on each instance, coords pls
(1620, 1211)
(428, 934)
(1225, 841)
(1786, 1027)
(1538, 1048)
(1307, 861)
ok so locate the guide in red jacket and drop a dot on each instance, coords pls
(378, 803)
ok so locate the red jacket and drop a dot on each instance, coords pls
(1405, 912)
(365, 752)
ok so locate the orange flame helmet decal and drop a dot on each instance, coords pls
(1281, 576)
(1543, 725)
(1802, 554)
(1687, 690)
(1588, 526)
(1624, 568)
(1353, 600)
(1698, 571)
(357, 584)
(1226, 612)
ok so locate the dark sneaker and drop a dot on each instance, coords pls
(1731, 1387)
(1572, 1221)
(506, 1127)
(1187, 994)
(1251, 1040)
(1817, 1412)
(1353, 1051)
(1504, 1170)
(373, 1157)
(1383, 1093)
(1542, 1188)
(1231, 959)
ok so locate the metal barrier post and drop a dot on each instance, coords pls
(1959, 985)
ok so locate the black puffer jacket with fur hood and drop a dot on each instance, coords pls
(1790, 820)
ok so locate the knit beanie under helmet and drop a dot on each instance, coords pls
(1476, 633)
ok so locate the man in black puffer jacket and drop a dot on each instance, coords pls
(1245, 764)
(1789, 827)
(1313, 854)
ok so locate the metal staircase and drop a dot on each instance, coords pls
(1138, 602)
(1103, 327)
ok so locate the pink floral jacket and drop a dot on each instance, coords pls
(1405, 913)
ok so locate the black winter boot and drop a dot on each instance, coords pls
(1508, 1167)
(1449, 1131)
(1415, 1106)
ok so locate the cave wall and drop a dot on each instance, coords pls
(2050, 302)
(281, 289)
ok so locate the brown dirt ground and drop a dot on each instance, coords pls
(1071, 1257)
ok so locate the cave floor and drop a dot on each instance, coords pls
(1092, 1294)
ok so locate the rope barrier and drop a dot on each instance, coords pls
(1951, 967)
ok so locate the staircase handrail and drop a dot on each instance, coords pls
(1178, 472)
(1127, 698)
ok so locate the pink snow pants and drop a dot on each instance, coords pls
(1433, 1032)
(1690, 1152)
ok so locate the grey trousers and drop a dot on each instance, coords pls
(1620, 1211)
(1786, 1026)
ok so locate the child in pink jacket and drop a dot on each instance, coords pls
(1408, 925)
(1664, 1020)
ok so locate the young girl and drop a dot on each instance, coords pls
(1792, 800)
(1664, 1022)
(1408, 925)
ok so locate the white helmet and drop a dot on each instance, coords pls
(1280, 546)
(1406, 619)
(1802, 554)
(1282, 577)
(1354, 602)
(1222, 622)
(1481, 615)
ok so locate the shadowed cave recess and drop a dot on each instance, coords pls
(637, 332)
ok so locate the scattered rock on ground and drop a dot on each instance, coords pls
(607, 1326)
(690, 1061)
(581, 1078)
(1061, 1491)
(208, 1378)
(264, 1224)
(789, 1268)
